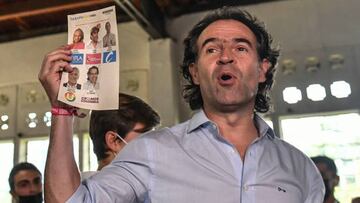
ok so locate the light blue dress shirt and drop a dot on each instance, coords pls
(192, 163)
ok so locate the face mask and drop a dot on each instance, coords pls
(122, 139)
(31, 199)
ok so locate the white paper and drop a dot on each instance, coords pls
(97, 84)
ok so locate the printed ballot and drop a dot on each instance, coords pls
(94, 82)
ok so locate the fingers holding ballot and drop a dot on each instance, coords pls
(54, 63)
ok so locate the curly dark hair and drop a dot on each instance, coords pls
(131, 110)
(191, 91)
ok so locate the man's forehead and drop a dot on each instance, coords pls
(139, 127)
(26, 174)
(323, 168)
(226, 30)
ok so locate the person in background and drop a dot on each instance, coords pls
(111, 130)
(25, 183)
(225, 153)
(78, 38)
(328, 171)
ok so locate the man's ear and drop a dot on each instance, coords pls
(111, 141)
(14, 196)
(336, 180)
(264, 67)
(194, 73)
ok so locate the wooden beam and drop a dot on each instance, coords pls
(42, 11)
(21, 24)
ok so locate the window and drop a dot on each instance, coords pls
(37, 151)
(335, 136)
(316, 92)
(340, 89)
(7, 160)
(269, 122)
(92, 159)
(89, 158)
(292, 95)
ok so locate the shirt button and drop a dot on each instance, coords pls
(246, 188)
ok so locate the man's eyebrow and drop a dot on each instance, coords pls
(23, 181)
(237, 40)
(243, 40)
(141, 130)
(37, 178)
(212, 39)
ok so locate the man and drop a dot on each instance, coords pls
(73, 77)
(25, 183)
(91, 83)
(328, 172)
(109, 38)
(224, 153)
(111, 130)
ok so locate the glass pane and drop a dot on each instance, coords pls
(336, 136)
(37, 151)
(89, 158)
(7, 160)
(269, 122)
(93, 159)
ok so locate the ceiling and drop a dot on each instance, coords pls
(21, 19)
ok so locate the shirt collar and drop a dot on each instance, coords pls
(263, 127)
(199, 119)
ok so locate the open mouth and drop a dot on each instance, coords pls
(225, 77)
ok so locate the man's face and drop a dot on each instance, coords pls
(228, 69)
(77, 36)
(107, 27)
(134, 133)
(92, 75)
(330, 179)
(73, 76)
(27, 182)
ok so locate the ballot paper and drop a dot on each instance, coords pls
(94, 83)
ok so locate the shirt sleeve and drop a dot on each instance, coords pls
(126, 179)
(316, 185)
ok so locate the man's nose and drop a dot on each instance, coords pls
(35, 188)
(226, 57)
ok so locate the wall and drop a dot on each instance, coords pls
(25, 56)
(301, 28)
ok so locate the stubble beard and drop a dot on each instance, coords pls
(230, 99)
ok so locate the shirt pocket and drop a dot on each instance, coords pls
(276, 194)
